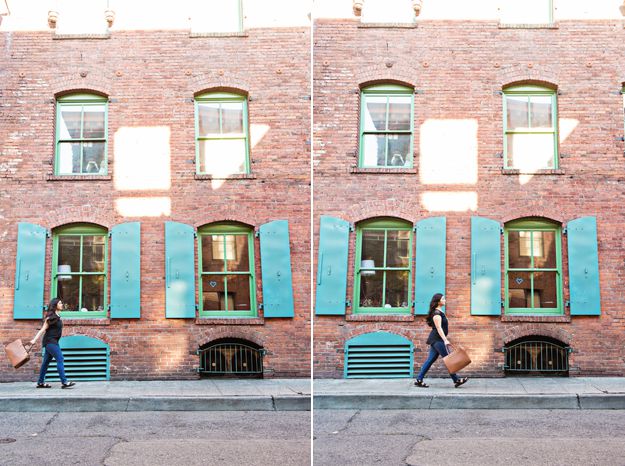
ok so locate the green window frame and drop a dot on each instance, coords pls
(221, 132)
(394, 135)
(87, 236)
(514, 98)
(536, 248)
(227, 239)
(81, 141)
(384, 230)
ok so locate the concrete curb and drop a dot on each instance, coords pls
(154, 403)
(469, 401)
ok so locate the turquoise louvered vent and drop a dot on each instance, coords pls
(378, 355)
(86, 359)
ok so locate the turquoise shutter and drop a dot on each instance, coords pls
(429, 262)
(179, 271)
(583, 267)
(126, 271)
(30, 268)
(332, 266)
(485, 266)
(275, 264)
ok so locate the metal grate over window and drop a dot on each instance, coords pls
(231, 359)
(535, 356)
(378, 361)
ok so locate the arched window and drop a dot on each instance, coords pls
(386, 126)
(533, 261)
(530, 128)
(383, 267)
(226, 270)
(222, 142)
(79, 269)
(81, 135)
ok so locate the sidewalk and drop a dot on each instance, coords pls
(504, 393)
(160, 395)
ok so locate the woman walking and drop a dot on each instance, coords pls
(52, 330)
(437, 340)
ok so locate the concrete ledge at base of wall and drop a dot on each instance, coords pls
(469, 401)
(125, 404)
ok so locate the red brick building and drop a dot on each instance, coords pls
(154, 173)
(469, 149)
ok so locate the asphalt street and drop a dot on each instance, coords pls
(155, 438)
(469, 437)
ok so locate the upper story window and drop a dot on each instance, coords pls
(81, 135)
(222, 143)
(383, 267)
(386, 126)
(526, 12)
(80, 17)
(387, 11)
(533, 267)
(530, 128)
(79, 270)
(226, 262)
(223, 16)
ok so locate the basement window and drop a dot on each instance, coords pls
(231, 357)
(537, 355)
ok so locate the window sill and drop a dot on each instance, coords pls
(229, 321)
(79, 177)
(543, 171)
(90, 321)
(379, 318)
(195, 35)
(388, 25)
(81, 36)
(384, 171)
(529, 26)
(530, 318)
(241, 176)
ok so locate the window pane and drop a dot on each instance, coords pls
(93, 122)
(531, 151)
(375, 113)
(396, 289)
(517, 109)
(93, 157)
(374, 150)
(68, 290)
(544, 249)
(372, 248)
(398, 248)
(519, 289)
(399, 113)
(70, 122)
(519, 250)
(222, 157)
(69, 254)
(371, 288)
(93, 254)
(93, 292)
(208, 114)
(399, 150)
(540, 111)
(69, 158)
(232, 118)
(213, 293)
(213, 253)
(239, 293)
(545, 290)
(237, 253)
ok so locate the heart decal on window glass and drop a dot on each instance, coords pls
(212, 284)
(519, 281)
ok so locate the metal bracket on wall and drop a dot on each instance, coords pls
(565, 231)
(261, 306)
(351, 227)
(348, 303)
(257, 234)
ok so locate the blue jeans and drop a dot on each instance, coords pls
(52, 352)
(437, 349)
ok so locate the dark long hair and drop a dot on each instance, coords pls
(51, 311)
(433, 305)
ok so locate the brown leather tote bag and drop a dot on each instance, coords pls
(17, 353)
(457, 359)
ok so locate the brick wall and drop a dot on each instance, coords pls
(151, 77)
(458, 69)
